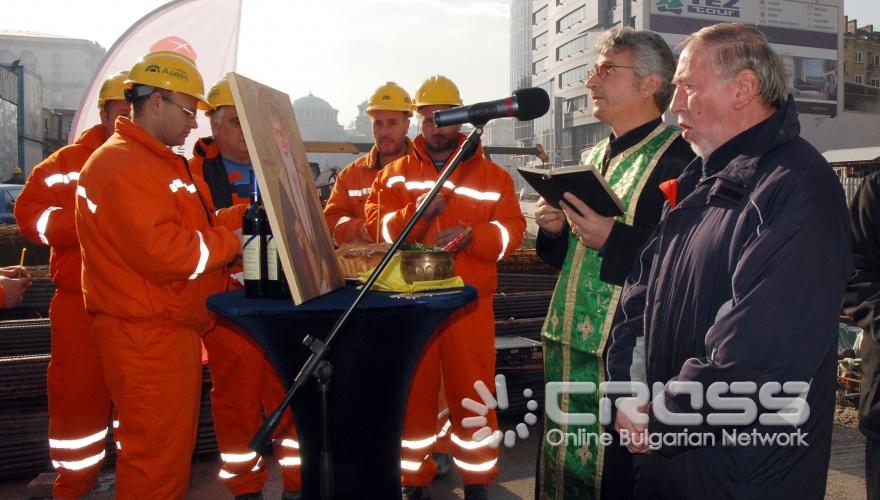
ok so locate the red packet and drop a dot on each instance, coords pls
(456, 242)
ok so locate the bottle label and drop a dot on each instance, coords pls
(250, 253)
(272, 259)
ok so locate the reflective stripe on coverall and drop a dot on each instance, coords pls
(151, 256)
(245, 386)
(345, 207)
(479, 194)
(79, 402)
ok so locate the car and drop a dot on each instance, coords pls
(8, 194)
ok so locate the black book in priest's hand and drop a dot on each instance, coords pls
(583, 181)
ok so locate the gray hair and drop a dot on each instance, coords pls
(216, 116)
(737, 47)
(651, 56)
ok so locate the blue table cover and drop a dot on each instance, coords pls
(373, 359)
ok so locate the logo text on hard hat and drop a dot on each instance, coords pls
(176, 73)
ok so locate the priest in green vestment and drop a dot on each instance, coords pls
(630, 87)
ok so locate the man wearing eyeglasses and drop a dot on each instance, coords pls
(152, 253)
(629, 88)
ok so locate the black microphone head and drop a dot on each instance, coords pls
(533, 103)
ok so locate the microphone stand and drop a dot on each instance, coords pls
(320, 368)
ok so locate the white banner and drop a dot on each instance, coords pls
(206, 31)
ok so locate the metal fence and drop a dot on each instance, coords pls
(851, 176)
(8, 85)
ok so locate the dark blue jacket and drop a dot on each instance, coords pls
(741, 281)
(862, 299)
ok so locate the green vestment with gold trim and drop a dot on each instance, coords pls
(578, 326)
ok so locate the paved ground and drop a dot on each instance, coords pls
(846, 473)
(846, 477)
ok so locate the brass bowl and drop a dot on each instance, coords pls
(426, 266)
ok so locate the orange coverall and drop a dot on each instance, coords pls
(479, 194)
(152, 254)
(345, 207)
(245, 385)
(79, 402)
(345, 218)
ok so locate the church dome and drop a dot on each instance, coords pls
(311, 102)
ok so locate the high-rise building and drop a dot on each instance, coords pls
(500, 133)
(521, 21)
(562, 33)
(559, 52)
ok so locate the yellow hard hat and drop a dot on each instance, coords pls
(170, 71)
(113, 89)
(437, 89)
(16, 170)
(220, 95)
(390, 97)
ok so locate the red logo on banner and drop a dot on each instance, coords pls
(175, 44)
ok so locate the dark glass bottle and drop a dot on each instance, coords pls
(273, 269)
(255, 238)
(277, 281)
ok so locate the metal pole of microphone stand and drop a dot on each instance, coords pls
(320, 349)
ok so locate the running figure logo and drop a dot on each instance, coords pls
(490, 403)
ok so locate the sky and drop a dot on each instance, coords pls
(340, 50)
(866, 11)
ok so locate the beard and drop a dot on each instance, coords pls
(439, 144)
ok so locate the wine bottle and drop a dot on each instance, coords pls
(273, 268)
(277, 281)
(255, 236)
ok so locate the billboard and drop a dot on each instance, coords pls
(805, 34)
(32, 106)
(8, 138)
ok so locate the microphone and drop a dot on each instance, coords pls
(524, 104)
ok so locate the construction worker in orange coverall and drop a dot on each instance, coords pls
(245, 385)
(479, 195)
(389, 109)
(152, 253)
(79, 402)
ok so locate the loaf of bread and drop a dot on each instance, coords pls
(356, 258)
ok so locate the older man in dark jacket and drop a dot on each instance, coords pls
(862, 303)
(738, 289)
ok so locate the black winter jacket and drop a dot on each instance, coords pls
(741, 282)
(862, 299)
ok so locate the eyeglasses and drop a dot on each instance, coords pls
(603, 69)
(190, 114)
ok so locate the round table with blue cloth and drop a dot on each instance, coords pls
(373, 358)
